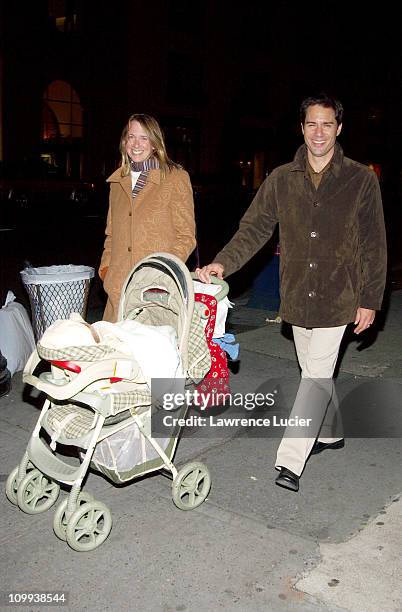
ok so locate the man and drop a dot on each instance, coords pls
(333, 260)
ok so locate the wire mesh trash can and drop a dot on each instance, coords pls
(55, 292)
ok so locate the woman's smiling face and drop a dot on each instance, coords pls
(138, 145)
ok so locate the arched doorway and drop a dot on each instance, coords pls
(62, 128)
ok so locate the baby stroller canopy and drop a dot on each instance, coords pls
(159, 291)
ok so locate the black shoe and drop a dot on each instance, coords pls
(287, 479)
(320, 446)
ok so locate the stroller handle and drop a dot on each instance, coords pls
(215, 281)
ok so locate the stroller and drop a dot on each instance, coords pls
(99, 401)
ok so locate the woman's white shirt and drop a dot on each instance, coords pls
(134, 177)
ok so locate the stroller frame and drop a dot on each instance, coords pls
(34, 485)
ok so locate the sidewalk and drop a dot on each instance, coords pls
(373, 355)
(251, 546)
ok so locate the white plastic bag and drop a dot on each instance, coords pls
(16, 335)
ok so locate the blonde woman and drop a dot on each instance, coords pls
(151, 207)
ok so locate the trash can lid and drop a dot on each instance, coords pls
(56, 274)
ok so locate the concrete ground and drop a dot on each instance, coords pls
(251, 546)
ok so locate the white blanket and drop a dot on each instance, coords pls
(153, 347)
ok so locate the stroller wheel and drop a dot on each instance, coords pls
(191, 486)
(12, 487)
(89, 526)
(12, 484)
(60, 519)
(36, 493)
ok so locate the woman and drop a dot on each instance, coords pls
(151, 207)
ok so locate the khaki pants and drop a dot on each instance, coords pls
(317, 351)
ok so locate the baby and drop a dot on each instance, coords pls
(155, 348)
(70, 332)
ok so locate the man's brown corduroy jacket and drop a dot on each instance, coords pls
(332, 239)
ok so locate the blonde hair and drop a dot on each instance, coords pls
(154, 132)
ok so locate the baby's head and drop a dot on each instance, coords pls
(69, 332)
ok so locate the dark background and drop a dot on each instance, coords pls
(224, 81)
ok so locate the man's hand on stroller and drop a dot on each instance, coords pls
(212, 269)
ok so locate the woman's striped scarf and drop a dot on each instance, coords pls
(144, 167)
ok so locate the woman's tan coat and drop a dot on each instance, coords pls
(159, 218)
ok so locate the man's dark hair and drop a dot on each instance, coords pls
(322, 100)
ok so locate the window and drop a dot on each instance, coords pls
(63, 14)
(62, 114)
